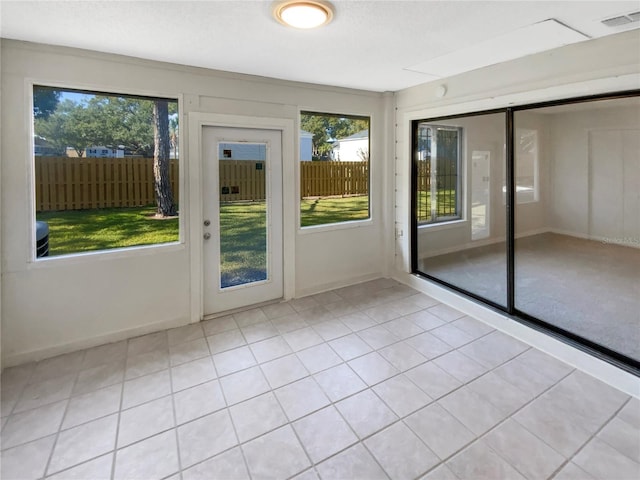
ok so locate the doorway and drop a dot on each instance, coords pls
(242, 217)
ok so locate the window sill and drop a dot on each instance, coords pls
(335, 226)
(434, 227)
(101, 255)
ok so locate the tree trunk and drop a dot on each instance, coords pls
(161, 161)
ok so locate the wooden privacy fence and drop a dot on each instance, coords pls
(245, 179)
(242, 180)
(66, 183)
(323, 179)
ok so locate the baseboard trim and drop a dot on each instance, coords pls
(304, 292)
(483, 243)
(41, 354)
(589, 364)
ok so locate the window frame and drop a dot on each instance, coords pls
(346, 224)
(460, 191)
(32, 260)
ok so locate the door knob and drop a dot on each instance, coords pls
(207, 223)
(207, 236)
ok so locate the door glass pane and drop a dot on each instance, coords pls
(577, 220)
(243, 213)
(461, 218)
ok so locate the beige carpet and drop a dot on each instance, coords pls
(586, 287)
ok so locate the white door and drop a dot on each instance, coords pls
(242, 224)
(480, 194)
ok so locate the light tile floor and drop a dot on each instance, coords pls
(369, 381)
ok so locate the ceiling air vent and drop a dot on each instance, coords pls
(622, 19)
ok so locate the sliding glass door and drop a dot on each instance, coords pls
(543, 218)
(577, 220)
(459, 167)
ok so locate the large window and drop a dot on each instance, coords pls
(106, 170)
(438, 167)
(334, 168)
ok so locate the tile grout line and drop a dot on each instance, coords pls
(64, 415)
(333, 403)
(289, 353)
(497, 425)
(594, 436)
(115, 446)
(510, 417)
(173, 400)
(228, 408)
(311, 375)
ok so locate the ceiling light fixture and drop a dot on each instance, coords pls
(303, 14)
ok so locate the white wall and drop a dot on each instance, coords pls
(352, 150)
(576, 141)
(604, 65)
(58, 305)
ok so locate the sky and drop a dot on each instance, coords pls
(75, 97)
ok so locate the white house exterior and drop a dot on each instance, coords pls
(240, 151)
(103, 152)
(306, 146)
(354, 148)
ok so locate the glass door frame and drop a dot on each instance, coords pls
(511, 311)
(218, 297)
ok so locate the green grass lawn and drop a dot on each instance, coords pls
(446, 205)
(243, 228)
(326, 210)
(76, 231)
(243, 242)
(243, 232)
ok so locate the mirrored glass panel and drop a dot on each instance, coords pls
(577, 248)
(243, 213)
(459, 167)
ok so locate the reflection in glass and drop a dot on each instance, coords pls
(577, 255)
(461, 219)
(438, 163)
(243, 213)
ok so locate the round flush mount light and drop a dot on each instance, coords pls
(303, 14)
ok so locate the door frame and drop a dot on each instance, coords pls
(194, 171)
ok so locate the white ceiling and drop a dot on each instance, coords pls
(369, 45)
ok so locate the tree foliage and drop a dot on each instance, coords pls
(45, 101)
(110, 121)
(328, 128)
(148, 128)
